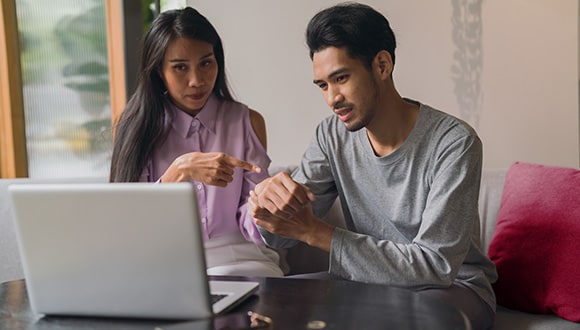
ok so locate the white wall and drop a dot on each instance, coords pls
(522, 69)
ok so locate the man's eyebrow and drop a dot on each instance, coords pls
(331, 75)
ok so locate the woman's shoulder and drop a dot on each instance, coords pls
(233, 114)
(233, 109)
(256, 118)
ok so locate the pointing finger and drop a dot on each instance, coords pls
(243, 164)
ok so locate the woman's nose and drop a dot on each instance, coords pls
(196, 79)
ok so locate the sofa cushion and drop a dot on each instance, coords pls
(535, 246)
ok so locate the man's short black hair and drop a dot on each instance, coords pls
(358, 28)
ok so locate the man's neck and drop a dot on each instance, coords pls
(391, 126)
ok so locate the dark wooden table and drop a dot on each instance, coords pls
(290, 303)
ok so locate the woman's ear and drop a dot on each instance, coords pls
(384, 63)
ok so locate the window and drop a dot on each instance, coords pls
(65, 83)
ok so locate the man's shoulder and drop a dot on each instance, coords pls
(443, 122)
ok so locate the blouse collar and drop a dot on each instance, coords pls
(185, 124)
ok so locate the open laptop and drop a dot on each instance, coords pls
(117, 250)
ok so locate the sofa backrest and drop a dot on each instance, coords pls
(490, 193)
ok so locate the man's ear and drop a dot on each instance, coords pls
(384, 63)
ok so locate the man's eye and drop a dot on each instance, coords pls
(322, 86)
(341, 78)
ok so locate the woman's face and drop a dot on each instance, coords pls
(189, 72)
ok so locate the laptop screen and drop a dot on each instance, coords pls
(113, 249)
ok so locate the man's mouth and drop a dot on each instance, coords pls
(343, 113)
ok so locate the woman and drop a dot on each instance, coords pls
(174, 129)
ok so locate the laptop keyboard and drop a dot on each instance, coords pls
(217, 297)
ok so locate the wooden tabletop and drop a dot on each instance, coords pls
(289, 303)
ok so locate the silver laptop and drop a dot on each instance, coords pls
(117, 250)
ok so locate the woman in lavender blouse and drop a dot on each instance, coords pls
(182, 124)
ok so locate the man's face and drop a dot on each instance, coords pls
(347, 85)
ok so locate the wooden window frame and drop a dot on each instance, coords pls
(116, 56)
(13, 155)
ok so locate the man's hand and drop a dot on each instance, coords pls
(282, 196)
(213, 168)
(282, 207)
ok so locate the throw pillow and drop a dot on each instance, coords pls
(536, 244)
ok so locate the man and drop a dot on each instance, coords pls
(407, 176)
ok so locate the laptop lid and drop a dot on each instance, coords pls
(116, 250)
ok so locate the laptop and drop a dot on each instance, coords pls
(117, 250)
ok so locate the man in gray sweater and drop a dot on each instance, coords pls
(407, 176)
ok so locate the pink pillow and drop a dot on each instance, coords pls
(536, 244)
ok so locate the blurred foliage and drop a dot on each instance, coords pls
(37, 42)
(83, 37)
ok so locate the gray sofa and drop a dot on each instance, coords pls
(301, 258)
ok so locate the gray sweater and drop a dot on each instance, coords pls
(412, 216)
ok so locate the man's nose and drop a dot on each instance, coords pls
(333, 96)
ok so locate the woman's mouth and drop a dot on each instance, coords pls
(196, 96)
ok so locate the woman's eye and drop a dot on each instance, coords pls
(206, 63)
(179, 67)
